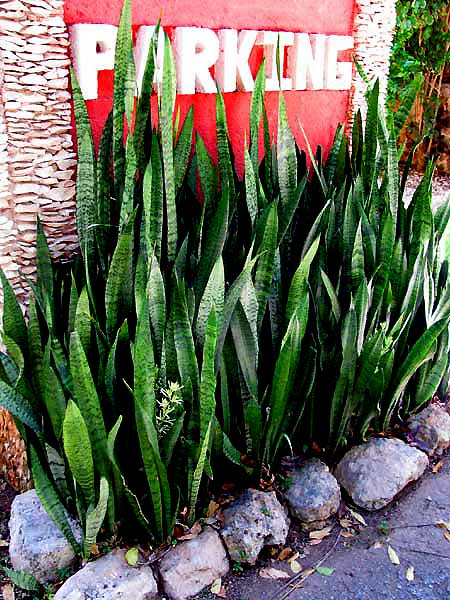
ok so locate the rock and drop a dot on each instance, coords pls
(256, 519)
(110, 578)
(314, 494)
(192, 565)
(37, 545)
(431, 429)
(374, 472)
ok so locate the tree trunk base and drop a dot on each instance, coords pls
(13, 459)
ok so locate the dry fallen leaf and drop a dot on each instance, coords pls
(357, 517)
(271, 573)
(8, 592)
(447, 536)
(410, 573)
(347, 534)
(193, 532)
(294, 557)
(285, 553)
(295, 566)
(212, 508)
(315, 542)
(132, 556)
(3, 543)
(345, 522)
(320, 533)
(216, 586)
(393, 556)
(437, 467)
(443, 525)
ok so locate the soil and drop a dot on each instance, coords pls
(6, 497)
(362, 567)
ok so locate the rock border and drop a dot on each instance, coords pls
(204, 556)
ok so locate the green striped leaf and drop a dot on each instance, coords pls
(88, 402)
(335, 306)
(122, 57)
(183, 340)
(48, 495)
(95, 516)
(223, 148)
(127, 206)
(13, 322)
(207, 172)
(197, 475)
(231, 299)
(298, 291)
(283, 382)
(213, 296)
(119, 285)
(251, 193)
(55, 402)
(153, 198)
(144, 365)
(246, 346)
(208, 376)
(256, 110)
(157, 304)
(418, 354)
(104, 208)
(19, 407)
(166, 128)
(183, 149)
(265, 267)
(77, 448)
(86, 194)
(143, 110)
(286, 155)
(214, 244)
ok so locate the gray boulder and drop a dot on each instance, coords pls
(375, 472)
(37, 545)
(192, 565)
(314, 494)
(256, 519)
(110, 578)
(430, 429)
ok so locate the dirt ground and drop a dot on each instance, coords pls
(362, 568)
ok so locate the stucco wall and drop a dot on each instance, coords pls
(36, 150)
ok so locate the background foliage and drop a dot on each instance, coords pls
(421, 47)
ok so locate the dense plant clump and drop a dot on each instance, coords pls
(420, 57)
(210, 321)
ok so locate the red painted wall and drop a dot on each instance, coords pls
(318, 111)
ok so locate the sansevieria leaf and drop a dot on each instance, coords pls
(95, 516)
(50, 500)
(165, 123)
(88, 402)
(77, 448)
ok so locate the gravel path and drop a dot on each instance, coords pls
(441, 188)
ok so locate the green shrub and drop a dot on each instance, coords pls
(194, 332)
